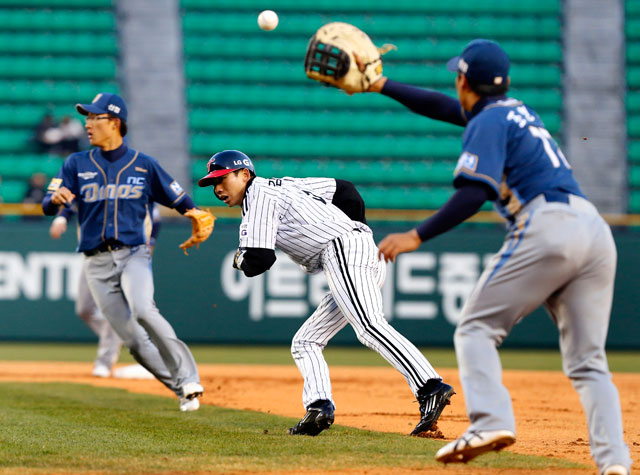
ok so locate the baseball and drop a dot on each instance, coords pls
(268, 20)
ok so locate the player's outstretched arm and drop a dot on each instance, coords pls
(463, 204)
(397, 243)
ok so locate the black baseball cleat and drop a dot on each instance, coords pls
(433, 397)
(319, 417)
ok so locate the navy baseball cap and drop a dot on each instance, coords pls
(105, 103)
(482, 62)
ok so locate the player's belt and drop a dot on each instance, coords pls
(105, 247)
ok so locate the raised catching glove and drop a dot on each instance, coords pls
(202, 226)
(330, 57)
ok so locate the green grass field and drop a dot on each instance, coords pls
(65, 428)
(68, 428)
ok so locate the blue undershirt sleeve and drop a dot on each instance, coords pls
(426, 102)
(463, 204)
(185, 204)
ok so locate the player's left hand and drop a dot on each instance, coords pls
(397, 243)
(202, 226)
(58, 227)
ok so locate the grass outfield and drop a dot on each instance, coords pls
(619, 361)
(67, 428)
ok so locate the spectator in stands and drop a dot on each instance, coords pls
(72, 132)
(47, 135)
(37, 188)
(62, 139)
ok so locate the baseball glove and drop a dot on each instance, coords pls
(202, 226)
(341, 55)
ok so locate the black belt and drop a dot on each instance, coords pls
(105, 247)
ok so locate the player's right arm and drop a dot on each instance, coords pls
(258, 230)
(59, 189)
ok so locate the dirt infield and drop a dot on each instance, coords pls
(550, 419)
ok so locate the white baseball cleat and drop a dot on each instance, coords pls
(190, 394)
(474, 443)
(192, 390)
(133, 371)
(189, 404)
(616, 470)
(101, 371)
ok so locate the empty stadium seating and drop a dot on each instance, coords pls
(53, 54)
(246, 88)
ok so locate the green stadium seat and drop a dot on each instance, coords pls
(13, 191)
(632, 28)
(268, 72)
(633, 77)
(633, 101)
(43, 67)
(522, 7)
(634, 201)
(15, 141)
(634, 151)
(633, 53)
(633, 126)
(23, 166)
(57, 20)
(58, 44)
(280, 47)
(313, 97)
(85, 4)
(305, 145)
(405, 197)
(262, 120)
(310, 121)
(53, 92)
(381, 25)
(634, 176)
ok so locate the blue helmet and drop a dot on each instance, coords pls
(225, 162)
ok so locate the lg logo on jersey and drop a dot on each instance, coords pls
(91, 192)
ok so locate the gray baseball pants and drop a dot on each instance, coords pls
(121, 283)
(562, 256)
(109, 342)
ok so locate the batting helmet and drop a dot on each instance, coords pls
(225, 162)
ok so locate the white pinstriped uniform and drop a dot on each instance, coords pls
(297, 217)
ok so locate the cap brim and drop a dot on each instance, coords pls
(86, 109)
(452, 64)
(208, 179)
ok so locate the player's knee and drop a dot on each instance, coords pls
(85, 312)
(471, 330)
(592, 365)
(370, 329)
(143, 312)
(299, 346)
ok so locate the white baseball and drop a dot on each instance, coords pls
(268, 20)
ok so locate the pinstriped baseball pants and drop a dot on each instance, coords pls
(354, 275)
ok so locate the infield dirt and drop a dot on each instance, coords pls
(550, 419)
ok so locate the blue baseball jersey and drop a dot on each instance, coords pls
(507, 147)
(115, 199)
